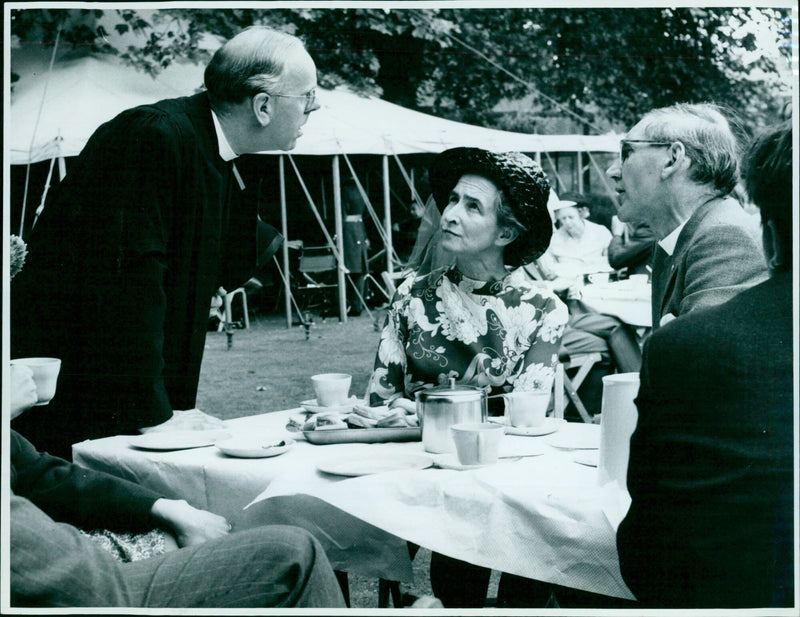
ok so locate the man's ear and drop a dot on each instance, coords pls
(676, 161)
(506, 236)
(262, 108)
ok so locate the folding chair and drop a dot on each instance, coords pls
(318, 276)
(563, 384)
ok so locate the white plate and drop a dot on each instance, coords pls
(550, 425)
(590, 458)
(351, 466)
(252, 447)
(579, 437)
(177, 440)
(312, 406)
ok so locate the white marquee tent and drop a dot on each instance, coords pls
(54, 112)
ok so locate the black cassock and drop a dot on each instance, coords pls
(121, 268)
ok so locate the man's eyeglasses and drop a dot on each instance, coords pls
(626, 146)
(310, 97)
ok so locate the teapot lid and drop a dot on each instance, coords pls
(451, 391)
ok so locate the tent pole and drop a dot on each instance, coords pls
(611, 192)
(337, 222)
(387, 215)
(579, 170)
(44, 192)
(287, 288)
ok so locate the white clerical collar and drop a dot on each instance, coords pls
(668, 243)
(225, 150)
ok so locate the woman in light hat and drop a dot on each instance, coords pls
(578, 246)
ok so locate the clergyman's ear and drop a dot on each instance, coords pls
(262, 108)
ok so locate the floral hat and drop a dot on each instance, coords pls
(524, 185)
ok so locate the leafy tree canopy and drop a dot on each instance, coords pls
(605, 66)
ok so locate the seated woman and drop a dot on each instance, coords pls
(475, 320)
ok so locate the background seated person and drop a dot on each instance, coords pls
(52, 563)
(474, 319)
(578, 246)
(712, 467)
(631, 246)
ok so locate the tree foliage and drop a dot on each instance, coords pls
(606, 66)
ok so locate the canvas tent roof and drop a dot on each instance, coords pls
(82, 93)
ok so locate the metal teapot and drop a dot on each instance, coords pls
(441, 407)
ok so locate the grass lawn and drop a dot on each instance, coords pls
(268, 368)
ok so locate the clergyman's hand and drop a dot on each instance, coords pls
(23, 389)
(189, 525)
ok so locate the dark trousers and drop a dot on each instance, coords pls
(462, 585)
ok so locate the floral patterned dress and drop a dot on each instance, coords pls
(501, 334)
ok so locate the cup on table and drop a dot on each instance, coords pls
(638, 280)
(477, 443)
(526, 409)
(598, 278)
(45, 376)
(331, 388)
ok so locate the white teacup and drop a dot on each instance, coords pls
(477, 444)
(525, 409)
(45, 376)
(331, 388)
(598, 278)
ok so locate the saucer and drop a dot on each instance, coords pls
(312, 406)
(450, 461)
(177, 440)
(252, 447)
(550, 425)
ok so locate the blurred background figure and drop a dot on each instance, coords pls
(356, 244)
(578, 246)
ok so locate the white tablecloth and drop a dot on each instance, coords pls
(543, 517)
(626, 301)
(208, 479)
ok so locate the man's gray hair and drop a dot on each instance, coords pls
(252, 61)
(707, 137)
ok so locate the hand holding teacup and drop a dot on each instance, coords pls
(23, 389)
(45, 375)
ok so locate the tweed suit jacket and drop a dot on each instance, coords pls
(718, 254)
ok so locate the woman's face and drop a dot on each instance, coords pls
(571, 221)
(469, 222)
